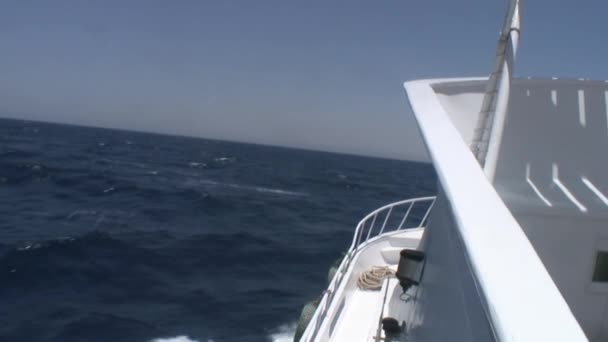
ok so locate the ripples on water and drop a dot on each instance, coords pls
(121, 236)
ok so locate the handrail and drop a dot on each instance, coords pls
(425, 204)
(390, 207)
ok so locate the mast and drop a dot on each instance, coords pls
(490, 124)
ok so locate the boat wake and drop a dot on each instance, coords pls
(284, 333)
(176, 339)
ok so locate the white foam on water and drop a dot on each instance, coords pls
(283, 333)
(81, 213)
(194, 182)
(277, 191)
(176, 339)
(30, 246)
(197, 164)
(225, 159)
(262, 189)
(207, 182)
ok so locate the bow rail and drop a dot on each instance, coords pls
(402, 215)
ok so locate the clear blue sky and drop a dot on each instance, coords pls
(314, 74)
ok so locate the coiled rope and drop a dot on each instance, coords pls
(372, 279)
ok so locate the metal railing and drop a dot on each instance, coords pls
(407, 214)
(418, 214)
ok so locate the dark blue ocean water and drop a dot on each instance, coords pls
(120, 236)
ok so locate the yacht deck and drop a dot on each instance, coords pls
(359, 312)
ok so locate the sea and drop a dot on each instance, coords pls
(109, 235)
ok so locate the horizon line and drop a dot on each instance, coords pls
(310, 149)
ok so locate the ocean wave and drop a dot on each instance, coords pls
(203, 181)
(249, 188)
(77, 213)
(177, 252)
(81, 262)
(17, 173)
(225, 159)
(283, 333)
(103, 326)
(197, 164)
(176, 339)
(17, 153)
(220, 162)
(122, 163)
(279, 191)
(29, 246)
(244, 252)
(108, 218)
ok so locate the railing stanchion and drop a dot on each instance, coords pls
(371, 227)
(428, 211)
(407, 213)
(390, 210)
(361, 228)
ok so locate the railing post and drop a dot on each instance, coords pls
(428, 211)
(371, 227)
(361, 228)
(390, 210)
(407, 213)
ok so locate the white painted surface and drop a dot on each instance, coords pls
(459, 100)
(535, 188)
(582, 116)
(372, 232)
(358, 320)
(544, 138)
(447, 305)
(555, 138)
(397, 243)
(498, 122)
(409, 240)
(522, 302)
(391, 255)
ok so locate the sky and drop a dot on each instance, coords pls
(323, 75)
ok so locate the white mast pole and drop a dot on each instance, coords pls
(490, 125)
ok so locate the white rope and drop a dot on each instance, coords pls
(372, 279)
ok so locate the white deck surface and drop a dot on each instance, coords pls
(364, 313)
(361, 314)
(360, 317)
